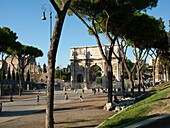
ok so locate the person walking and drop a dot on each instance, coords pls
(81, 97)
(82, 90)
(0, 107)
(65, 96)
(38, 99)
(10, 97)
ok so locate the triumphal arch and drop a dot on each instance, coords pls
(83, 59)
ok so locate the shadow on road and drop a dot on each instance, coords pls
(20, 113)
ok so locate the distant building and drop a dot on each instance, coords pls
(13, 64)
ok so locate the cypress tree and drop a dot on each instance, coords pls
(17, 76)
(13, 74)
(44, 68)
(9, 74)
(28, 76)
(3, 74)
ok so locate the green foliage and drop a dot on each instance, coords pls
(129, 63)
(96, 72)
(24, 50)
(97, 69)
(14, 50)
(145, 31)
(7, 39)
(130, 66)
(63, 73)
(98, 80)
(57, 73)
(63, 77)
(119, 12)
(147, 70)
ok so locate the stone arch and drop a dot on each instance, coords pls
(92, 76)
(79, 78)
(82, 61)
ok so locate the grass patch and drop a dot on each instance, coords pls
(162, 86)
(167, 109)
(140, 110)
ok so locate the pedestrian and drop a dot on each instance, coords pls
(94, 91)
(66, 96)
(10, 97)
(82, 90)
(116, 100)
(0, 107)
(38, 99)
(75, 90)
(64, 89)
(81, 97)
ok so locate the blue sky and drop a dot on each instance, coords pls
(24, 18)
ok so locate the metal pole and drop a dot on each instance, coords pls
(43, 8)
(50, 25)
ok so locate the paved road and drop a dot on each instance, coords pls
(18, 108)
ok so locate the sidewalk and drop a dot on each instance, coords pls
(162, 121)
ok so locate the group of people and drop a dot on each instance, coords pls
(80, 96)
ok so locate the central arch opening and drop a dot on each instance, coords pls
(95, 73)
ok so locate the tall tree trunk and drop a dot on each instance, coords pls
(21, 81)
(130, 75)
(50, 82)
(165, 74)
(110, 87)
(54, 42)
(50, 89)
(0, 82)
(154, 74)
(122, 80)
(1, 73)
(131, 83)
(142, 82)
(139, 80)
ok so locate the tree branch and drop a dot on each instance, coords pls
(55, 6)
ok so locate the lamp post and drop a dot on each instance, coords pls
(43, 8)
(49, 118)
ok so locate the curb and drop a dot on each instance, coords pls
(148, 121)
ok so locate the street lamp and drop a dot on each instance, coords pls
(43, 8)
